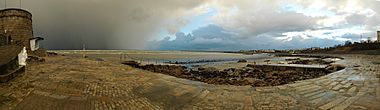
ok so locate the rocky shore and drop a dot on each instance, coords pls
(253, 75)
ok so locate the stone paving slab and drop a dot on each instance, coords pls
(59, 84)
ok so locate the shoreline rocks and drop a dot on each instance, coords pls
(242, 61)
(253, 75)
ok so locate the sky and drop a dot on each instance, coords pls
(201, 24)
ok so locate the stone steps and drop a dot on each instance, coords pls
(323, 98)
(315, 93)
(332, 103)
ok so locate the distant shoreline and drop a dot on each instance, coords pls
(150, 50)
(133, 51)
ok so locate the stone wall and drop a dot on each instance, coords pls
(12, 65)
(5, 39)
(10, 76)
(378, 36)
(18, 24)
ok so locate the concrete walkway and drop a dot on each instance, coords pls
(59, 84)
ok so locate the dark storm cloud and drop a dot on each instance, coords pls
(214, 37)
(210, 37)
(102, 24)
(237, 24)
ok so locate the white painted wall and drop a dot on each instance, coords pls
(22, 56)
(34, 45)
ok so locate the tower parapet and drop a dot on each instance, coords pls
(17, 23)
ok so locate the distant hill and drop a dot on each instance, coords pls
(350, 48)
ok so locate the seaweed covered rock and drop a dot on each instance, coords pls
(253, 75)
(334, 67)
(242, 61)
(131, 63)
(34, 59)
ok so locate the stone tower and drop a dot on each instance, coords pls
(18, 24)
(378, 36)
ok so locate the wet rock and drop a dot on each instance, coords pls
(334, 67)
(242, 61)
(376, 62)
(192, 62)
(99, 59)
(35, 59)
(208, 69)
(356, 65)
(52, 54)
(267, 61)
(131, 63)
(254, 75)
(308, 61)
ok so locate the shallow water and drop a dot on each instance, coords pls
(160, 57)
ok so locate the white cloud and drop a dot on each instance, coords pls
(332, 34)
(332, 21)
(284, 24)
(201, 40)
(253, 17)
(131, 24)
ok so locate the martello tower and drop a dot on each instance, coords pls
(18, 24)
(378, 36)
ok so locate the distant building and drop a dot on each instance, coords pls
(315, 48)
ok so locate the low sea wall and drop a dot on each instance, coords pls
(12, 74)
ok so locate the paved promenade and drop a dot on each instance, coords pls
(65, 83)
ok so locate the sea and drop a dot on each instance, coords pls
(187, 58)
